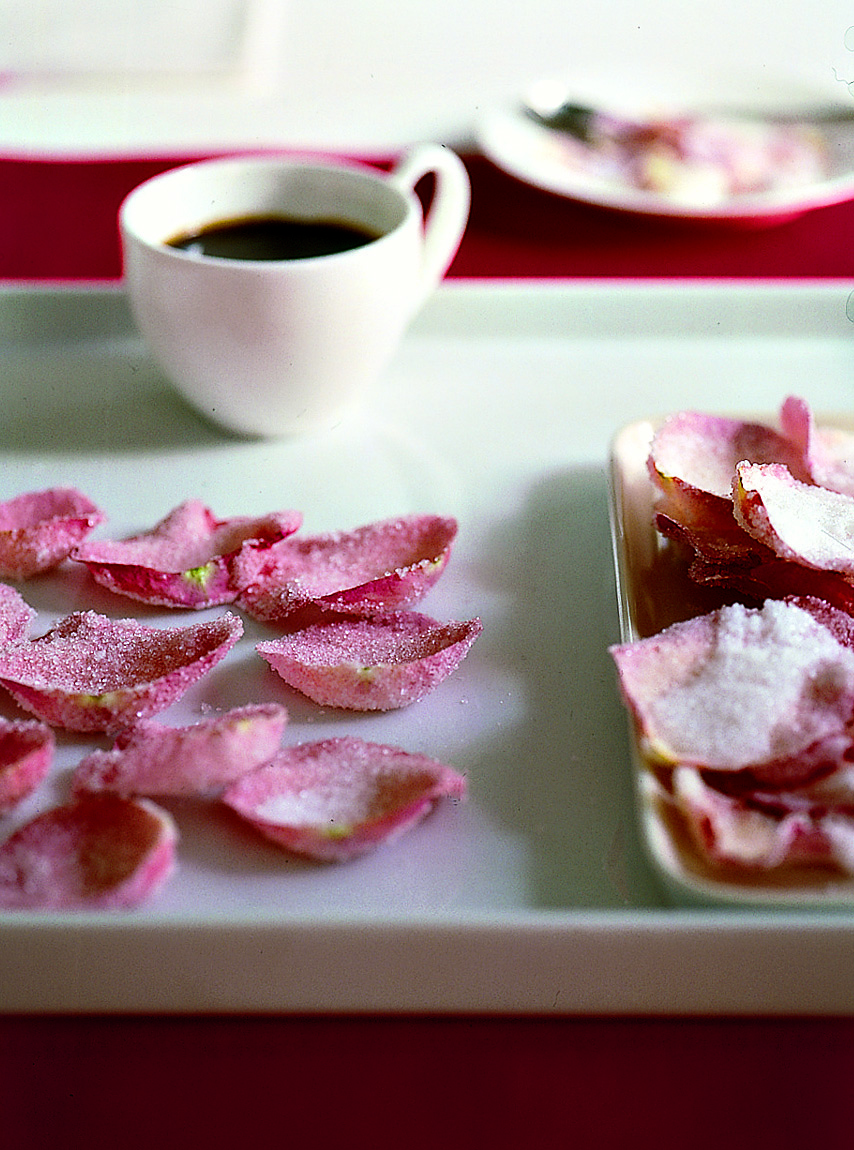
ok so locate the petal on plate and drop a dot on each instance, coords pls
(694, 455)
(91, 673)
(100, 852)
(152, 759)
(828, 451)
(371, 664)
(738, 688)
(190, 558)
(800, 522)
(372, 570)
(40, 528)
(339, 798)
(26, 754)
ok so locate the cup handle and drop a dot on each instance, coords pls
(448, 213)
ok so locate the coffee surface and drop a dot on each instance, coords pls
(273, 238)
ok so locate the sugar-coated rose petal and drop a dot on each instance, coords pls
(190, 558)
(739, 687)
(336, 799)
(744, 833)
(152, 759)
(699, 453)
(839, 622)
(371, 664)
(719, 540)
(26, 753)
(774, 579)
(16, 615)
(39, 529)
(91, 673)
(798, 521)
(100, 852)
(828, 451)
(372, 570)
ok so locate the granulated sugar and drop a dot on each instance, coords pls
(765, 684)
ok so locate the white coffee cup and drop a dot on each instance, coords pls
(278, 347)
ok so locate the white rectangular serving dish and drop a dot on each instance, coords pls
(536, 895)
(654, 590)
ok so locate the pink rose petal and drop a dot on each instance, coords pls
(371, 664)
(90, 673)
(760, 835)
(97, 853)
(694, 455)
(718, 539)
(39, 529)
(798, 521)
(151, 759)
(336, 799)
(26, 753)
(16, 615)
(739, 688)
(190, 558)
(372, 570)
(828, 451)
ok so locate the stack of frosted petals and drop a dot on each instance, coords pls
(743, 711)
(742, 499)
(746, 716)
(40, 528)
(765, 829)
(337, 799)
(190, 558)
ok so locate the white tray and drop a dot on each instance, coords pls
(535, 895)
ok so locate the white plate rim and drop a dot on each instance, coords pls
(515, 143)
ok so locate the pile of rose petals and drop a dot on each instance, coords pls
(746, 714)
(349, 641)
(750, 503)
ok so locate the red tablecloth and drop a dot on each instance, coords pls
(57, 220)
(416, 1082)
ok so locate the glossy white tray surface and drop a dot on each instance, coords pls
(535, 895)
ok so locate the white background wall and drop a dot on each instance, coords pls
(383, 72)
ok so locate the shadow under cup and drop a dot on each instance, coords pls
(272, 347)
